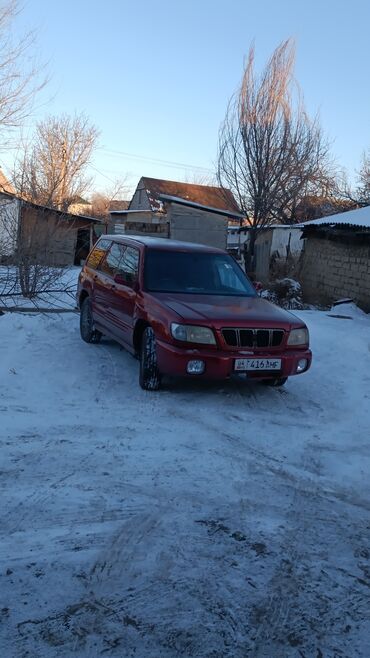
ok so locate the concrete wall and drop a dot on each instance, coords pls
(332, 270)
(194, 225)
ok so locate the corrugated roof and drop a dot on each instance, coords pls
(205, 195)
(359, 218)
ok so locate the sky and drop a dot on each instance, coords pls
(155, 77)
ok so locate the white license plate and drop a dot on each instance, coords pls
(257, 364)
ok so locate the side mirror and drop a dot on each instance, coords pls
(120, 279)
(128, 279)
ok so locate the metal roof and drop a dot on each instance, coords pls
(358, 218)
(161, 243)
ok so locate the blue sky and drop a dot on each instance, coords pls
(155, 77)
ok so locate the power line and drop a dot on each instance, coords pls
(164, 163)
(101, 173)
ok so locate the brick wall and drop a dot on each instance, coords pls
(331, 270)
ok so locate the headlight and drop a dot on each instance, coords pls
(299, 336)
(191, 334)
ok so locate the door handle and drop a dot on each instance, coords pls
(113, 287)
(95, 277)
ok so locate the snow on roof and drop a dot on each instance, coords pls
(360, 217)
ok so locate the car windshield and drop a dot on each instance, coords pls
(202, 273)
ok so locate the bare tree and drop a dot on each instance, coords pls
(52, 169)
(364, 180)
(19, 79)
(102, 202)
(358, 195)
(270, 153)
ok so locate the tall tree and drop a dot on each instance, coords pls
(270, 153)
(52, 169)
(19, 77)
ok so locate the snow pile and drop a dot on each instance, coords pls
(286, 292)
(347, 309)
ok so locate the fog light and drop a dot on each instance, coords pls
(195, 367)
(301, 365)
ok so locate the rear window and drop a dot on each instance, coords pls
(97, 253)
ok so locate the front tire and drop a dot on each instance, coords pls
(149, 378)
(87, 330)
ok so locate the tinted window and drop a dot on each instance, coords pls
(196, 273)
(111, 263)
(97, 253)
(130, 263)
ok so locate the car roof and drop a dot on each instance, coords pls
(162, 244)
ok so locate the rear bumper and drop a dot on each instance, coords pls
(220, 365)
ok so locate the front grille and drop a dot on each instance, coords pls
(253, 337)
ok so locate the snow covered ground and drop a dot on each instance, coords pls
(204, 520)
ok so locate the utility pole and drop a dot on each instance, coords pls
(63, 169)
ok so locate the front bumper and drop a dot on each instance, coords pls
(219, 364)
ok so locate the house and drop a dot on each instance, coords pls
(181, 211)
(45, 235)
(336, 258)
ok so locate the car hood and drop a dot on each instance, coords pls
(226, 310)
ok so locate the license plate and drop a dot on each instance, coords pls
(257, 364)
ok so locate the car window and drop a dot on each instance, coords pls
(129, 266)
(203, 273)
(228, 277)
(97, 253)
(111, 264)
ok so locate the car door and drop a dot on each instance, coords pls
(91, 274)
(125, 293)
(104, 288)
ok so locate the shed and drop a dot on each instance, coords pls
(181, 211)
(48, 236)
(336, 258)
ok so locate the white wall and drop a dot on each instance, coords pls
(280, 239)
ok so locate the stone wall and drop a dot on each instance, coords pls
(332, 270)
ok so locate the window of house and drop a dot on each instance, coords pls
(97, 253)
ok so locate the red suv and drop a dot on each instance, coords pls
(186, 310)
